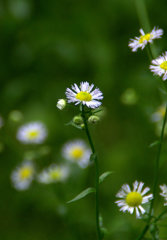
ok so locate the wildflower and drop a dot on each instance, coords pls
(159, 113)
(159, 66)
(22, 176)
(34, 132)
(141, 42)
(53, 174)
(133, 199)
(164, 193)
(78, 152)
(61, 103)
(84, 95)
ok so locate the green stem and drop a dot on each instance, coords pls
(97, 173)
(157, 162)
(155, 181)
(143, 232)
(160, 216)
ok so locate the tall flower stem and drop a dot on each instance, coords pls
(155, 179)
(97, 172)
(157, 162)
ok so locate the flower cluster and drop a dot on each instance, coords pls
(75, 151)
(159, 65)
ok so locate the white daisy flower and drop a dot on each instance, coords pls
(133, 199)
(164, 193)
(77, 151)
(159, 114)
(85, 95)
(141, 42)
(61, 103)
(159, 66)
(34, 132)
(53, 174)
(23, 175)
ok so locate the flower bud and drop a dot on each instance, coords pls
(61, 103)
(78, 120)
(93, 119)
(82, 126)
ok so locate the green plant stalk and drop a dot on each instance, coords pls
(97, 173)
(155, 179)
(157, 162)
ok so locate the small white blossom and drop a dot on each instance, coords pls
(61, 103)
(133, 199)
(34, 132)
(164, 193)
(85, 95)
(77, 151)
(23, 175)
(159, 66)
(53, 173)
(159, 114)
(141, 42)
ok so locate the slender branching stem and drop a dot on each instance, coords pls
(155, 181)
(97, 172)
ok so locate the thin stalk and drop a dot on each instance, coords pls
(143, 232)
(157, 162)
(155, 181)
(160, 216)
(97, 173)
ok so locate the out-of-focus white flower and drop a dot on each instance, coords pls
(159, 114)
(133, 199)
(1, 122)
(85, 95)
(159, 66)
(53, 173)
(141, 42)
(164, 193)
(77, 151)
(61, 103)
(23, 175)
(34, 132)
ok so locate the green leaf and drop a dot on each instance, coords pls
(83, 194)
(104, 176)
(71, 123)
(154, 144)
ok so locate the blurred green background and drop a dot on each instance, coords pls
(45, 46)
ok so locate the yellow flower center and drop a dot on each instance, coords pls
(25, 172)
(32, 134)
(56, 174)
(146, 37)
(84, 96)
(77, 153)
(134, 199)
(164, 65)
